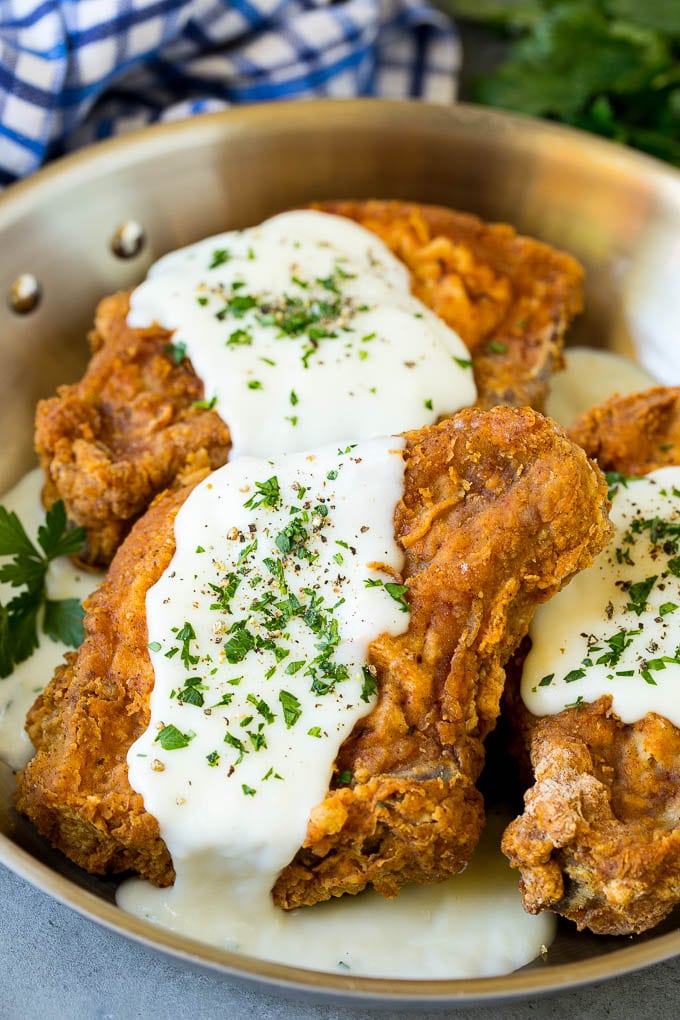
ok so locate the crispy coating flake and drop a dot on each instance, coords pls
(499, 511)
(599, 839)
(128, 429)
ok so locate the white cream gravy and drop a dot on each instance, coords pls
(305, 332)
(472, 925)
(614, 629)
(590, 377)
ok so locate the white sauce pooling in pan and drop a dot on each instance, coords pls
(590, 377)
(472, 925)
(305, 332)
(19, 690)
(248, 713)
(615, 628)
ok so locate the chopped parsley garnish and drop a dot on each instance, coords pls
(225, 592)
(369, 686)
(267, 494)
(236, 306)
(191, 693)
(177, 352)
(394, 590)
(240, 338)
(639, 593)
(255, 384)
(291, 708)
(172, 739)
(463, 362)
(219, 257)
(27, 569)
(248, 790)
(186, 634)
(496, 347)
(237, 744)
(578, 704)
(205, 405)
(344, 777)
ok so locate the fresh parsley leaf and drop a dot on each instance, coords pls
(64, 621)
(13, 539)
(27, 569)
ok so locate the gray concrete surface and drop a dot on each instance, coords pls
(55, 965)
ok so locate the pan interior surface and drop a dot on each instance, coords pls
(93, 223)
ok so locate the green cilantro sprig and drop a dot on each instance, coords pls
(27, 569)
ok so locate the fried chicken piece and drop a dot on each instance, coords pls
(125, 432)
(499, 511)
(599, 839)
(634, 434)
(112, 441)
(510, 298)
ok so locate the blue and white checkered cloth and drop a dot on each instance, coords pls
(74, 71)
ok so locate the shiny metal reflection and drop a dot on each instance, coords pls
(616, 210)
(128, 240)
(24, 294)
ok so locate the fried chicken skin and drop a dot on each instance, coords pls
(510, 298)
(125, 432)
(499, 510)
(111, 442)
(599, 839)
(633, 434)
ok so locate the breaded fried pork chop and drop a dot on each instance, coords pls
(499, 511)
(599, 839)
(112, 441)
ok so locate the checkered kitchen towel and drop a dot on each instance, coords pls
(73, 71)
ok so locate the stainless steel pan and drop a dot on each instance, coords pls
(94, 222)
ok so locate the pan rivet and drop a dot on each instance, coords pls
(128, 240)
(24, 294)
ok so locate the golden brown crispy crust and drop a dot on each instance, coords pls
(125, 432)
(634, 434)
(599, 839)
(510, 298)
(499, 510)
(128, 428)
